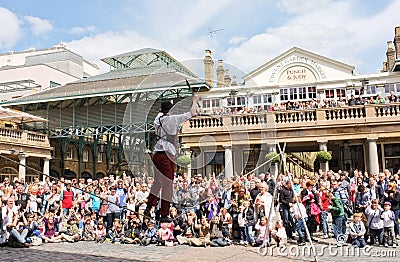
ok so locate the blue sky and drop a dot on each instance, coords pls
(351, 31)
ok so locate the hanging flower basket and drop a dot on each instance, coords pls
(324, 156)
(273, 157)
(183, 160)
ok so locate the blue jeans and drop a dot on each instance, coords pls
(14, 234)
(300, 227)
(338, 228)
(396, 222)
(324, 222)
(66, 211)
(249, 234)
(359, 242)
(287, 221)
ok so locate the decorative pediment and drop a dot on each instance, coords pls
(298, 66)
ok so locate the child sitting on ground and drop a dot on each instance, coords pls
(261, 232)
(88, 233)
(279, 234)
(100, 231)
(357, 231)
(150, 235)
(165, 235)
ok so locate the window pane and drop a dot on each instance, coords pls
(284, 94)
(257, 99)
(312, 92)
(268, 98)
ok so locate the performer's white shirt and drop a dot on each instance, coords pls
(170, 124)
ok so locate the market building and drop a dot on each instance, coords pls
(103, 124)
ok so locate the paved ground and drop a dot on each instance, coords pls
(326, 250)
(90, 251)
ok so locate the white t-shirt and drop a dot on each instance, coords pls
(388, 218)
(299, 210)
(169, 125)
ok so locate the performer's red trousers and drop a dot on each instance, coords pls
(164, 168)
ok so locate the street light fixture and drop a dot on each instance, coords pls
(102, 145)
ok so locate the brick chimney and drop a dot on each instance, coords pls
(227, 78)
(396, 41)
(208, 68)
(384, 68)
(220, 74)
(390, 56)
(234, 81)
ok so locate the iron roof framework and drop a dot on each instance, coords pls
(21, 85)
(118, 107)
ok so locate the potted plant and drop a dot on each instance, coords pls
(183, 160)
(273, 157)
(324, 156)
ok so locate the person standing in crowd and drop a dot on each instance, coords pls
(22, 199)
(68, 198)
(375, 223)
(310, 198)
(166, 125)
(338, 215)
(388, 224)
(112, 212)
(392, 196)
(286, 197)
(121, 193)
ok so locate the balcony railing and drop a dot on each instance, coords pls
(302, 118)
(22, 137)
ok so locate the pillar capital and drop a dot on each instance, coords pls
(372, 139)
(323, 145)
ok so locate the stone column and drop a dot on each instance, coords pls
(187, 152)
(46, 168)
(323, 146)
(228, 162)
(273, 170)
(373, 156)
(22, 168)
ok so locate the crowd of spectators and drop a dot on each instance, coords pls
(306, 105)
(206, 210)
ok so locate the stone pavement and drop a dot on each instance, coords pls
(91, 251)
(326, 250)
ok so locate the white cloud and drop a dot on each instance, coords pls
(327, 27)
(11, 31)
(237, 40)
(39, 26)
(98, 46)
(81, 30)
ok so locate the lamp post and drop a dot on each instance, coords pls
(22, 163)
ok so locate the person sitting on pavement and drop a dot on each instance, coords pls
(278, 233)
(216, 236)
(150, 235)
(357, 231)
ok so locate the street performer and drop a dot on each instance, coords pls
(164, 156)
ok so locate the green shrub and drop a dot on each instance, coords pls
(324, 156)
(273, 156)
(183, 160)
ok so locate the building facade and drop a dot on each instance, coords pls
(305, 102)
